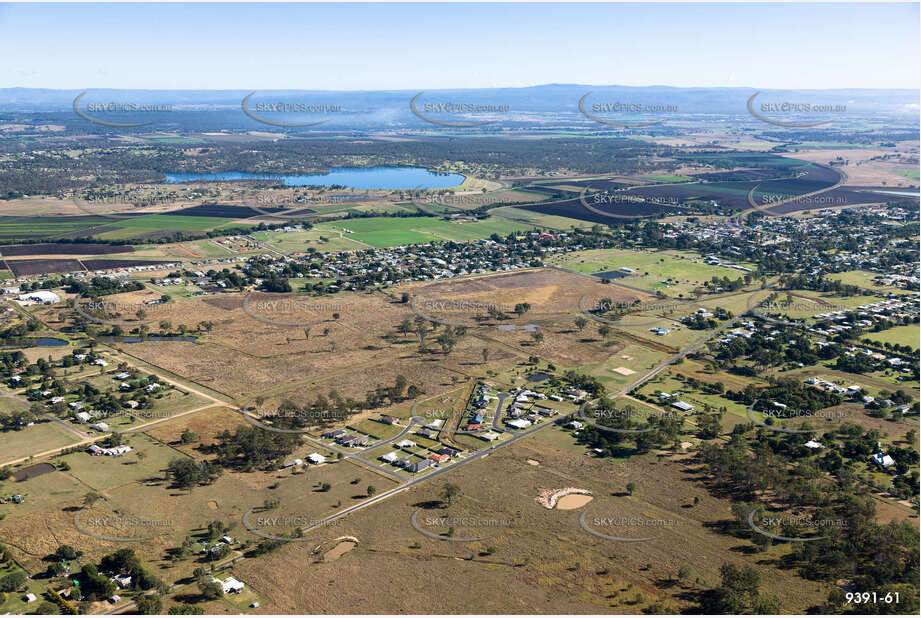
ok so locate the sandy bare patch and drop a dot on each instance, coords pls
(340, 546)
(549, 498)
(624, 371)
(572, 501)
(686, 445)
(212, 504)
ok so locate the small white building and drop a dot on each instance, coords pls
(230, 585)
(41, 296)
(882, 459)
(316, 459)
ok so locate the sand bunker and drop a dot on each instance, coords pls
(339, 550)
(624, 371)
(532, 462)
(340, 546)
(212, 505)
(564, 499)
(686, 445)
(572, 501)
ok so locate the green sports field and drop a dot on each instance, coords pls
(395, 231)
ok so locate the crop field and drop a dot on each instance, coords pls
(36, 267)
(63, 249)
(528, 217)
(48, 227)
(147, 225)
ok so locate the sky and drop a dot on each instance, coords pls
(432, 46)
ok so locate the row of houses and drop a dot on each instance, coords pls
(343, 438)
(442, 455)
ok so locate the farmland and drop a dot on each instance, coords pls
(553, 389)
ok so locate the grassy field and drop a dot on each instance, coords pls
(38, 438)
(900, 334)
(638, 359)
(321, 240)
(674, 273)
(147, 460)
(390, 232)
(670, 178)
(863, 279)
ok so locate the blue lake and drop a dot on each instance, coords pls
(49, 341)
(353, 177)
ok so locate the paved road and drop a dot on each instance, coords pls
(496, 420)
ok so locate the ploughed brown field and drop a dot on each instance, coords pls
(38, 267)
(62, 248)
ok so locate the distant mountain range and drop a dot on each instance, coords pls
(539, 105)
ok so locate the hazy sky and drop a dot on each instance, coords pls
(426, 46)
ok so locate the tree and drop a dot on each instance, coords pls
(149, 604)
(47, 608)
(89, 499)
(449, 492)
(188, 436)
(210, 590)
(580, 323)
(371, 490)
(631, 487)
(185, 609)
(522, 308)
(12, 581)
(485, 353)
